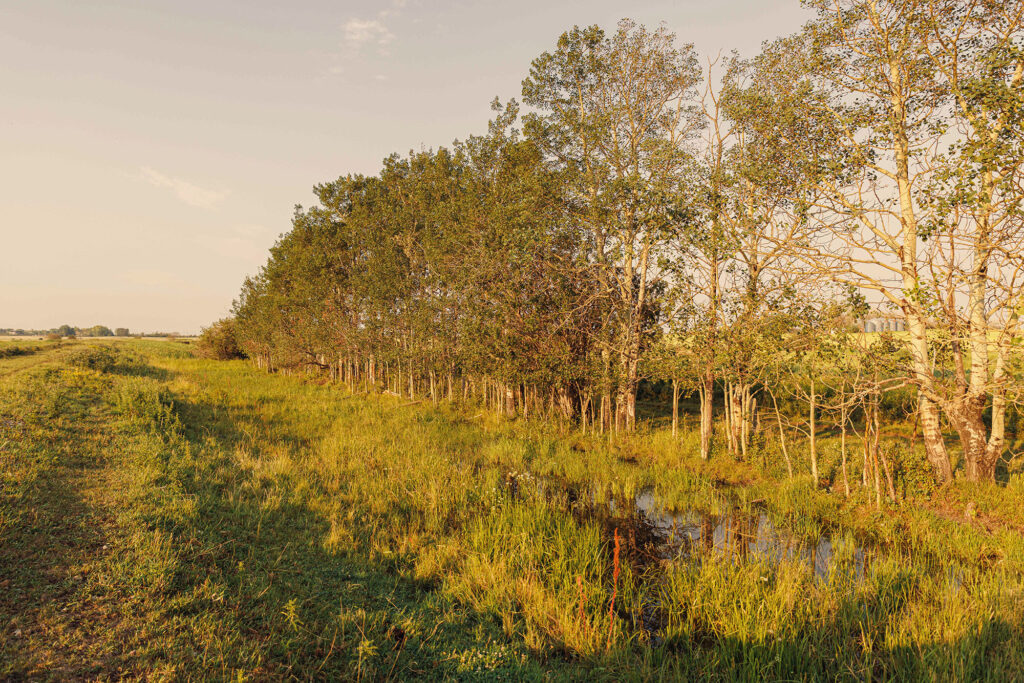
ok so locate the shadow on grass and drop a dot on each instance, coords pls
(274, 601)
(833, 651)
(265, 596)
(49, 537)
(143, 370)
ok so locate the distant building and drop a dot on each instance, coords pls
(883, 322)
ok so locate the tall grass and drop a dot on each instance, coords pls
(261, 526)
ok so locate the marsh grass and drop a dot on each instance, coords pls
(174, 518)
(14, 349)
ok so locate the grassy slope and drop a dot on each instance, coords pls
(179, 518)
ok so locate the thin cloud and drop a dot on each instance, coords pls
(359, 33)
(191, 194)
(362, 32)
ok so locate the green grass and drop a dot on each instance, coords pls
(168, 518)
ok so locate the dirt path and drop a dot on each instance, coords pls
(14, 365)
(56, 526)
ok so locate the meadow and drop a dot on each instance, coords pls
(168, 517)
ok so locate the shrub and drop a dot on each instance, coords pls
(53, 336)
(11, 350)
(218, 341)
(145, 402)
(100, 358)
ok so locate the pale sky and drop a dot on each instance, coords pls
(152, 151)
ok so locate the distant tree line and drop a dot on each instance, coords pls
(73, 331)
(69, 331)
(723, 230)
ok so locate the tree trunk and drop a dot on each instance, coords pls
(603, 419)
(931, 426)
(631, 376)
(707, 424)
(934, 444)
(727, 416)
(865, 472)
(970, 426)
(812, 429)
(782, 435)
(885, 461)
(747, 404)
(842, 444)
(874, 456)
(997, 435)
(584, 407)
(675, 408)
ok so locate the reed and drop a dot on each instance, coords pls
(230, 523)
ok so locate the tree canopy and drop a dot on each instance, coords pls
(728, 229)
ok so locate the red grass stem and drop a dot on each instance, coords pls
(615, 588)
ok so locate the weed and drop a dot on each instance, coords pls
(175, 517)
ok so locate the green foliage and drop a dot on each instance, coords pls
(246, 522)
(108, 358)
(219, 341)
(11, 349)
(145, 403)
(550, 270)
(97, 331)
(910, 470)
(99, 358)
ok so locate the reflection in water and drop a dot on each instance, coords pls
(653, 535)
(650, 533)
(742, 536)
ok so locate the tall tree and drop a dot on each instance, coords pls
(615, 113)
(890, 70)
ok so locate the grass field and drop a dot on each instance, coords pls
(168, 518)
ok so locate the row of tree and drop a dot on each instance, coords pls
(69, 331)
(723, 228)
